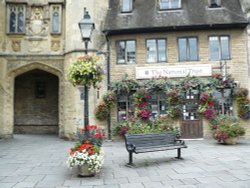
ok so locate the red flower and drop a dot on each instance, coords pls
(211, 103)
(143, 104)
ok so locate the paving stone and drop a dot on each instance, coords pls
(107, 186)
(25, 184)
(189, 181)
(153, 185)
(7, 185)
(115, 181)
(132, 185)
(72, 183)
(13, 179)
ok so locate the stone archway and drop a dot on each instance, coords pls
(19, 70)
(36, 103)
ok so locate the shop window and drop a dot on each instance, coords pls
(16, 18)
(125, 107)
(126, 52)
(219, 48)
(126, 5)
(169, 4)
(223, 101)
(156, 50)
(188, 48)
(56, 11)
(158, 104)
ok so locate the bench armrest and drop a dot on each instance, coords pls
(182, 142)
(130, 147)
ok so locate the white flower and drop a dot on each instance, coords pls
(79, 158)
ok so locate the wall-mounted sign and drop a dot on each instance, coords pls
(173, 71)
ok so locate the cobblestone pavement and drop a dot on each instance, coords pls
(39, 161)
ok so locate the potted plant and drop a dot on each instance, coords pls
(226, 129)
(87, 154)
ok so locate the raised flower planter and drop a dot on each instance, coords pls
(226, 129)
(87, 155)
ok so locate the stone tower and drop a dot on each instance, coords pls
(38, 41)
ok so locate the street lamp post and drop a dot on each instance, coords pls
(86, 26)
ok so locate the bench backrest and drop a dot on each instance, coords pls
(150, 139)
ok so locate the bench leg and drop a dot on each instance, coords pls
(179, 153)
(130, 163)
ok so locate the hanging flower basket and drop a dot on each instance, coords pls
(85, 71)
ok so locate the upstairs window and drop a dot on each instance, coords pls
(16, 18)
(126, 5)
(219, 48)
(170, 4)
(156, 50)
(125, 51)
(56, 11)
(188, 48)
(214, 3)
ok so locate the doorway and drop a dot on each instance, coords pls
(36, 103)
(191, 124)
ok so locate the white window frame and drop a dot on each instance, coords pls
(169, 2)
(18, 7)
(125, 52)
(156, 41)
(130, 4)
(220, 47)
(188, 49)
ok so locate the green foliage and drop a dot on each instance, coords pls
(224, 127)
(85, 71)
(125, 85)
(138, 126)
(102, 110)
(243, 103)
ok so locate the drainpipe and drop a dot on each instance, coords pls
(108, 84)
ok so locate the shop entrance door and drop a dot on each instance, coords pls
(191, 124)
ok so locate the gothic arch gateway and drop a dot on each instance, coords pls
(33, 100)
(36, 103)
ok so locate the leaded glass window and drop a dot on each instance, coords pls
(219, 48)
(156, 50)
(169, 4)
(16, 18)
(188, 48)
(125, 51)
(56, 19)
(126, 5)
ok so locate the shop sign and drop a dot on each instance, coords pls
(173, 71)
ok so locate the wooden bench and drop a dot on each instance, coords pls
(151, 142)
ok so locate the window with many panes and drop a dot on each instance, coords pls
(16, 18)
(125, 107)
(219, 48)
(188, 48)
(169, 4)
(156, 50)
(56, 19)
(126, 5)
(223, 101)
(125, 51)
(158, 103)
